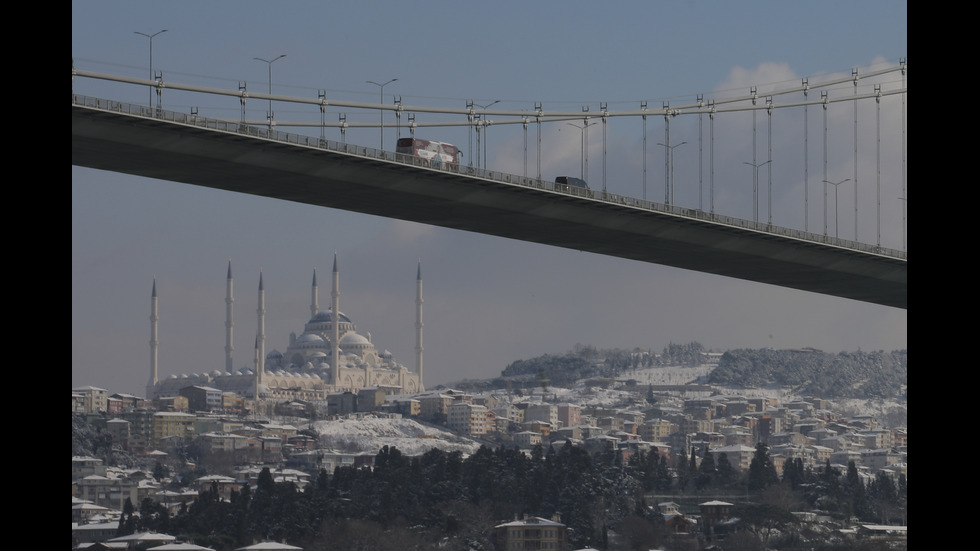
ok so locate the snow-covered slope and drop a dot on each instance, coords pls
(369, 434)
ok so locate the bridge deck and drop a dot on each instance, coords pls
(248, 163)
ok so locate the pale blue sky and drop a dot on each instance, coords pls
(489, 301)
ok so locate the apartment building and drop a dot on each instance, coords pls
(468, 418)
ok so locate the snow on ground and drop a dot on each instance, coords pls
(674, 375)
(370, 433)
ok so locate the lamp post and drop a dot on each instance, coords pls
(755, 187)
(585, 152)
(382, 86)
(670, 184)
(486, 124)
(150, 36)
(270, 62)
(836, 185)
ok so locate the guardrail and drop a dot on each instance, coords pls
(473, 172)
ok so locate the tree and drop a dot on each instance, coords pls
(856, 494)
(794, 473)
(726, 474)
(706, 472)
(884, 496)
(764, 518)
(160, 471)
(127, 522)
(762, 472)
(664, 480)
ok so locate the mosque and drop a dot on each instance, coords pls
(329, 356)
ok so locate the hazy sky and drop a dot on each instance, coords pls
(488, 301)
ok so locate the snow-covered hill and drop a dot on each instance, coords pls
(369, 434)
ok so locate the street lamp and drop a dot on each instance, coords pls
(755, 187)
(150, 36)
(836, 185)
(669, 186)
(382, 86)
(486, 124)
(270, 61)
(585, 152)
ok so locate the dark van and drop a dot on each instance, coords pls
(563, 183)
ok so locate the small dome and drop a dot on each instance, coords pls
(353, 338)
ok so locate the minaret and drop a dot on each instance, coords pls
(229, 324)
(314, 301)
(335, 319)
(418, 326)
(260, 335)
(258, 371)
(151, 384)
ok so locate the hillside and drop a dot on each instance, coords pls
(860, 375)
(844, 375)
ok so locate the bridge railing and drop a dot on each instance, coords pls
(470, 171)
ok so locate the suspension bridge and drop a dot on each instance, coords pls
(256, 157)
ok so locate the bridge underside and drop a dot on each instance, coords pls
(248, 164)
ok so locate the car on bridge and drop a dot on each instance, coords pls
(575, 186)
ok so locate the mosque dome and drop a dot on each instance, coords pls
(326, 316)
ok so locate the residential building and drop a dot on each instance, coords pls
(714, 513)
(531, 533)
(656, 429)
(113, 489)
(546, 413)
(467, 418)
(202, 398)
(527, 439)
(93, 399)
(569, 415)
(739, 457)
(172, 424)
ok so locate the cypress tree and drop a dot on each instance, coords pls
(762, 472)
